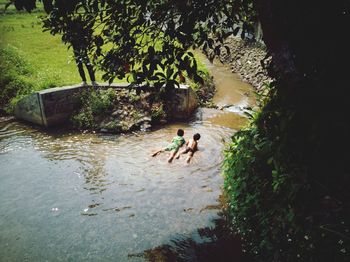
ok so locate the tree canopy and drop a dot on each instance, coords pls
(147, 41)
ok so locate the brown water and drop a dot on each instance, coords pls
(232, 95)
(68, 196)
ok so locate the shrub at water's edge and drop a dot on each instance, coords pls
(14, 78)
(283, 202)
(17, 79)
(120, 110)
(114, 111)
(205, 92)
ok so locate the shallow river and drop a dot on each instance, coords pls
(93, 197)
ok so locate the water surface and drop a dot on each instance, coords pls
(67, 196)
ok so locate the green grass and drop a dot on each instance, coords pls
(46, 54)
(42, 51)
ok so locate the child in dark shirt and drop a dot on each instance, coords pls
(174, 146)
(191, 147)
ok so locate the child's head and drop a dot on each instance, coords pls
(196, 136)
(180, 132)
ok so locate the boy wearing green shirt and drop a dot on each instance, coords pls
(174, 146)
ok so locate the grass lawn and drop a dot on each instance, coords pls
(49, 58)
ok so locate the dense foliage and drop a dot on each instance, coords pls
(94, 104)
(282, 178)
(13, 80)
(286, 174)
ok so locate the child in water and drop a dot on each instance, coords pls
(191, 146)
(174, 146)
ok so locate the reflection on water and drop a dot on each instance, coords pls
(67, 196)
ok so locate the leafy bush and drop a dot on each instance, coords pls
(134, 98)
(101, 101)
(157, 112)
(14, 82)
(94, 104)
(205, 91)
(283, 203)
(84, 119)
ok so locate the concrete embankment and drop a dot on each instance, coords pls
(54, 106)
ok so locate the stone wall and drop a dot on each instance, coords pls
(245, 60)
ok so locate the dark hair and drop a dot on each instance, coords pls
(180, 132)
(196, 136)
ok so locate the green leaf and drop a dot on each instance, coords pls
(169, 72)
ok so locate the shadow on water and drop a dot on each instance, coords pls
(209, 244)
